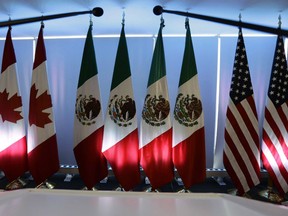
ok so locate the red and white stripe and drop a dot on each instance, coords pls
(241, 150)
(275, 144)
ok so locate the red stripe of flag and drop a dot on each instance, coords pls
(91, 162)
(188, 155)
(11, 159)
(118, 156)
(156, 160)
(275, 153)
(241, 136)
(240, 161)
(233, 175)
(41, 155)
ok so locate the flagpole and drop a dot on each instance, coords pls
(97, 11)
(158, 10)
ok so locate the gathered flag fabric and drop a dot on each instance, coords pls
(275, 127)
(156, 128)
(42, 144)
(13, 146)
(241, 155)
(121, 141)
(188, 150)
(88, 122)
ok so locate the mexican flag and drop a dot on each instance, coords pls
(88, 123)
(156, 129)
(42, 145)
(188, 123)
(13, 147)
(121, 143)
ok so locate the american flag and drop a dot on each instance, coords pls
(241, 155)
(275, 126)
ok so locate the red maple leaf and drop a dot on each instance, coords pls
(37, 105)
(8, 106)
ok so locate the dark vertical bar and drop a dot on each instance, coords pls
(159, 10)
(97, 11)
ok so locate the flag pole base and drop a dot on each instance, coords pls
(16, 184)
(271, 195)
(151, 190)
(45, 185)
(184, 191)
(234, 192)
(92, 189)
(119, 189)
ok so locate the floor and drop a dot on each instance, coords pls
(212, 184)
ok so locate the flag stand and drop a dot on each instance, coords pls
(270, 194)
(180, 183)
(184, 190)
(92, 189)
(151, 190)
(234, 192)
(16, 184)
(119, 189)
(45, 185)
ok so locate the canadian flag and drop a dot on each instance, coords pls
(13, 148)
(42, 145)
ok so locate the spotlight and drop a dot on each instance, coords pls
(157, 10)
(97, 11)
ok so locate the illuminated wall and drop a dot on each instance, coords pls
(214, 56)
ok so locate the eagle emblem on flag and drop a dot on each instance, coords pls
(187, 109)
(156, 110)
(87, 108)
(121, 110)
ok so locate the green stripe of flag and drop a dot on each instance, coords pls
(88, 65)
(189, 68)
(122, 66)
(158, 66)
